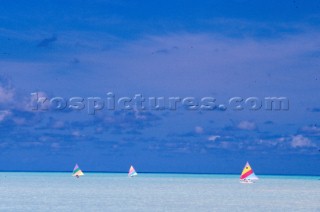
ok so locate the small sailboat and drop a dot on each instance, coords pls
(77, 171)
(247, 175)
(132, 172)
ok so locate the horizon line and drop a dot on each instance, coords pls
(182, 173)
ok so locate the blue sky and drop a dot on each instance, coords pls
(160, 48)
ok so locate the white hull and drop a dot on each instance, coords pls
(246, 181)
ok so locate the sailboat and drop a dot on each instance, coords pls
(77, 171)
(132, 172)
(247, 175)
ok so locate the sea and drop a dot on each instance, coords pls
(40, 191)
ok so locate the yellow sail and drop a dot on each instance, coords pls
(77, 171)
(247, 174)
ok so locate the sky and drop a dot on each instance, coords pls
(95, 50)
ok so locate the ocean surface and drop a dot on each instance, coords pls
(35, 191)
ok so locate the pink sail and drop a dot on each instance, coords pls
(132, 172)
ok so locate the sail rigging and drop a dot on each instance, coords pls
(247, 175)
(77, 171)
(132, 172)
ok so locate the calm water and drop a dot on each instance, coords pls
(155, 192)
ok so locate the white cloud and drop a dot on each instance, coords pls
(76, 133)
(301, 141)
(6, 95)
(225, 145)
(311, 129)
(246, 125)
(268, 142)
(4, 114)
(213, 137)
(198, 129)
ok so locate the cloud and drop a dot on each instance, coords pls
(199, 129)
(76, 133)
(246, 125)
(299, 141)
(313, 130)
(213, 137)
(58, 125)
(4, 114)
(177, 70)
(6, 95)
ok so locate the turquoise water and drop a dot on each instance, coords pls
(156, 192)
